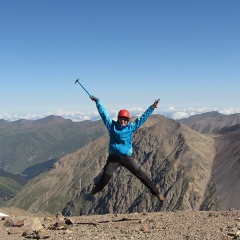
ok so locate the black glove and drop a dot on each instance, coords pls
(93, 98)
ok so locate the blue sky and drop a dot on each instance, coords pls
(127, 53)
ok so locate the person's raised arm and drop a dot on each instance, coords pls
(102, 111)
(142, 119)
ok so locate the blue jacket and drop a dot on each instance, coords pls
(121, 136)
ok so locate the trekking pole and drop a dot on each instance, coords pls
(77, 81)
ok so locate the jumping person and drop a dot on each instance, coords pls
(120, 147)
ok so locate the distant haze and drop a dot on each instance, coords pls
(79, 116)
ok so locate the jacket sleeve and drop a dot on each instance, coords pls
(142, 119)
(104, 114)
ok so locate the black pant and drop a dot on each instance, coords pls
(114, 161)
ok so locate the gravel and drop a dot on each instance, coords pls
(175, 225)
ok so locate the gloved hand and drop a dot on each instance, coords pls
(155, 104)
(93, 98)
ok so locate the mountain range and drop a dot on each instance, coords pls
(28, 148)
(24, 143)
(195, 162)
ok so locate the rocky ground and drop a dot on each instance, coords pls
(175, 225)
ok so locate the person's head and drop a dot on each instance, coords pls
(123, 117)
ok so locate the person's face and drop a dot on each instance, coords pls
(123, 121)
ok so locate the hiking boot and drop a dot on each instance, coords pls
(160, 197)
(94, 191)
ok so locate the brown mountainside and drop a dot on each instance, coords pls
(178, 159)
(223, 190)
(211, 121)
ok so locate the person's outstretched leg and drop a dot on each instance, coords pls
(143, 177)
(131, 164)
(108, 170)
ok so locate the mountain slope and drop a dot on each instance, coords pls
(10, 184)
(26, 143)
(223, 189)
(211, 121)
(178, 159)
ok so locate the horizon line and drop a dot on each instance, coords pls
(77, 116)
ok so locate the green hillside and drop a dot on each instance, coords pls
(9, 185)
(24, 143)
